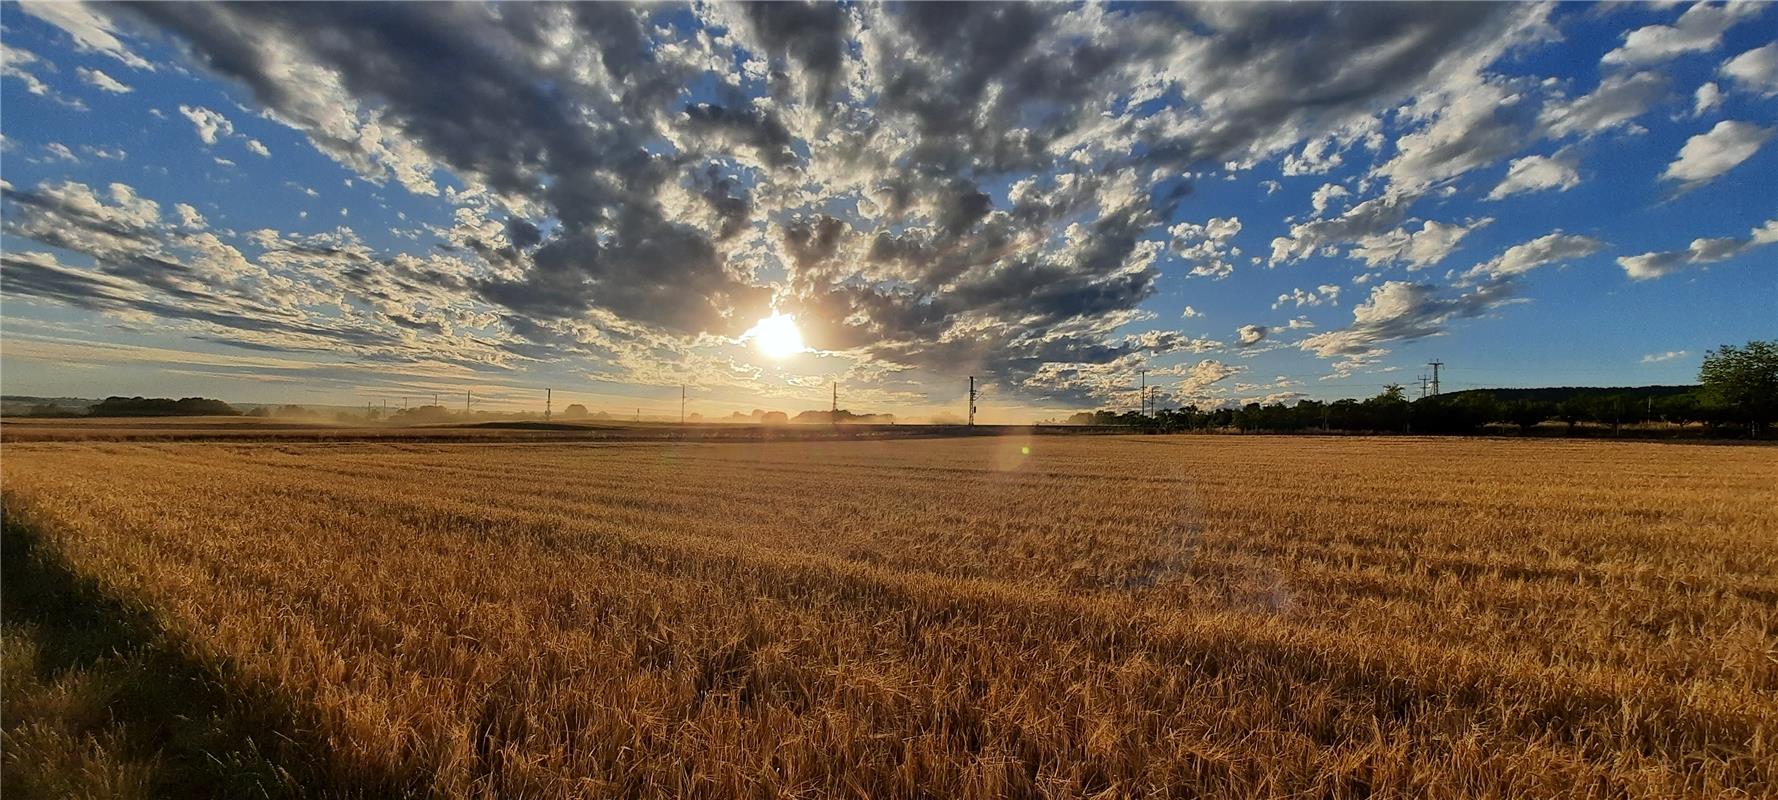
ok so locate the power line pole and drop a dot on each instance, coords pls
(1435, 365)
(682, 404)
(972, 401)
(465, 402)
(834, 412)
(1422, 387)
(549, 402)
(1144, 397)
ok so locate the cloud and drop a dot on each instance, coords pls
(1537, 174)
(1646, 266)
(1656, 358)
(13, 63)
(210, 124)
(89, 25)
(1403, 311)
(1699, 29)
(1755, 70)
(1207, 247)
(1472, 128)
(1369, 218)
(1324, 197)
(189, 216)
(183, 278)
(1190, 312)
(1707, 98)
(1542, 251)
(1249, 335)
(60, 152)
(99, 80)
(1200, 378)
(1709, 154)
(1617, 101)
(1418, 249)
(933, 190)
(1299, 298)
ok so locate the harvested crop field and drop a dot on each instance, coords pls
(984, 617)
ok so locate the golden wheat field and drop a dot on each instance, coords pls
(1188, 616)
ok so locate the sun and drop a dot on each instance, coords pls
(777, 336)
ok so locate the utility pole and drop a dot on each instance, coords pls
(465, 402)
(1144, 373)
(682, 404)
(972, 401)
(549, 402)
(1422, 387)
(1435, 365)
(834, 413)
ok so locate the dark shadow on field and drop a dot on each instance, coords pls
(203, 730)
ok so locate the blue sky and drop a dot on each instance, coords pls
(379, 203)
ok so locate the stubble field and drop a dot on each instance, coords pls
(951, 618)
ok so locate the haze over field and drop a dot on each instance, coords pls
(334, 204)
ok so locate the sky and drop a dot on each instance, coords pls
(366, 203)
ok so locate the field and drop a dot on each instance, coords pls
(1012, 616)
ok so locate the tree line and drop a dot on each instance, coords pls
(1737, 394)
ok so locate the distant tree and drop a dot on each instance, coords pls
(1745, 380)
(574, 411)
(774, 418)
(162, 407)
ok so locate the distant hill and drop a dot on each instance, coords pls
(1557, 394)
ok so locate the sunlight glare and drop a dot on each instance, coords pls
(777, 336)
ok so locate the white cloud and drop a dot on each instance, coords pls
(1369, 218)
(1325, 293)
(257, 148)
(1707, 99)
(1208, 246)
(189, 216)
(1699, 29)
(1473, 129)
(1707, 155)
(1526, 256)
(1191, 312)
(1401, 311)
(1418, 249)
(1537, 174)
(13, 61)
(210, 124)
(99, 80)
(1618, 100)
(1324, 196)
(1204, 374)
(1646, 266)
(91, 28)
(1319, 156)
(1755, 70)
(1656, 358)
(1249, 335)
(60, 152)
